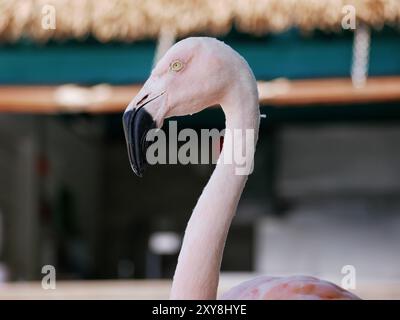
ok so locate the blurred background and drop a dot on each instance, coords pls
(325, 191)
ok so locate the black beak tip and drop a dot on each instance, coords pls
(137, 171)
(137, 124)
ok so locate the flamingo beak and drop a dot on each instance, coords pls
(137, 122)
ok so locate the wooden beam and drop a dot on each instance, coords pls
(280, 92)
(66, 98)
(338, 91)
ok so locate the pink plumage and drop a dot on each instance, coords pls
(287, 288)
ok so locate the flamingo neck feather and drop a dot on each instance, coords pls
(199, 262)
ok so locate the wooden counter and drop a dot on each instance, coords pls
(151, 289)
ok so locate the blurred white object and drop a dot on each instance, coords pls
(166, 40)
(4, 274)
(320, 236)
(274, 88)
(74, 97)
(1, 233)
(164, 242)
(3, 267)
(361, 47)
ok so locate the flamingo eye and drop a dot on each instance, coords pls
(176, 66)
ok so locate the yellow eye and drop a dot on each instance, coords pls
(176, 66)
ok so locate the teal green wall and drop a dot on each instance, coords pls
(288, 55)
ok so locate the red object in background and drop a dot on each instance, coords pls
(42, 166)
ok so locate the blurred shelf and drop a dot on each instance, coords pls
(66, 98)
(280, 92)
(334, 91)
(151, 289)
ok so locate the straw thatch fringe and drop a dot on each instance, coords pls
(129, 20)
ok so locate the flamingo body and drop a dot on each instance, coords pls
(287, 288)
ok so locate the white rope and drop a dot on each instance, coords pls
(166, 40)
(361, 48)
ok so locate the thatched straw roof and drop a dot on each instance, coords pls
(129, 20)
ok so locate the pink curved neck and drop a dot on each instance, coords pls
(199, 262)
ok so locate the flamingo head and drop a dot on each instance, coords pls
(194, 74)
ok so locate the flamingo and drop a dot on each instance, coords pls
(194, 74)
